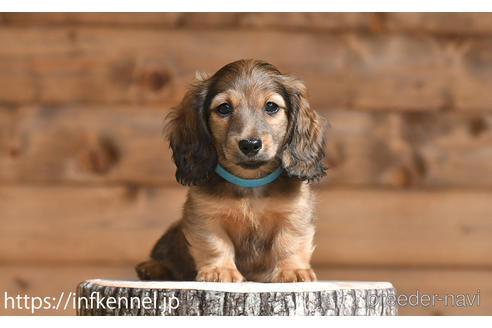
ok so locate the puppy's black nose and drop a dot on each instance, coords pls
(250, 146)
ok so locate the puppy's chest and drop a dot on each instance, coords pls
(243, 216)
(252, 222)
(252, 226)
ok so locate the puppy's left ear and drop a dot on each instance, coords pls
(189, 138)
(305, 147)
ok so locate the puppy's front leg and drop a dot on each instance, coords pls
(293, 253)
(213, 253)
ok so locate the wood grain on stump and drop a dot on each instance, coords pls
(171, 298)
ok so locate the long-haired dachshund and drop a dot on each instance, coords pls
(247, 143)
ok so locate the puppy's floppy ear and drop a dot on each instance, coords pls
(189, 138)
(305, 147)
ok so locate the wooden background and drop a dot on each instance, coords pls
(86, 181)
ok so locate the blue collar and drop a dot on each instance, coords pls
(247, 182)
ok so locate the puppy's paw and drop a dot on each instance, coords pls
(153, 270)
(293, 275)
(217, 274)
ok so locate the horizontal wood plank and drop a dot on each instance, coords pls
(57, 223)
(50, 145)
(439, 23)
(51, 281)
(443, 23)
(305, 20)
(52, 224)
(413, 228)
(119, 19)
(77, 144)
(102, 65)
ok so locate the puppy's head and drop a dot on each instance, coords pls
(250, 118)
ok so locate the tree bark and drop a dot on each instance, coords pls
(166, 298)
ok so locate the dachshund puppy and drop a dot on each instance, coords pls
(248, 144)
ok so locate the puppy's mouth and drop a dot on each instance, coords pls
(252, 165)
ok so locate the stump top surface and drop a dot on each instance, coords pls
(244, 287)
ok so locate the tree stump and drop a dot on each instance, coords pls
(171, 298)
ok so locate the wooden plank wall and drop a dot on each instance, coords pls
(86, 181)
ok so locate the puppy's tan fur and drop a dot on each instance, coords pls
(231, 233)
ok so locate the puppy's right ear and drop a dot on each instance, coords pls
(189, 138)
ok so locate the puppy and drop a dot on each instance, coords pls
(248, 144)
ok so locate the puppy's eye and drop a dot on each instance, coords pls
(224, 109)
(271, 108)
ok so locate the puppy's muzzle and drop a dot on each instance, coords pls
(250, 147)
